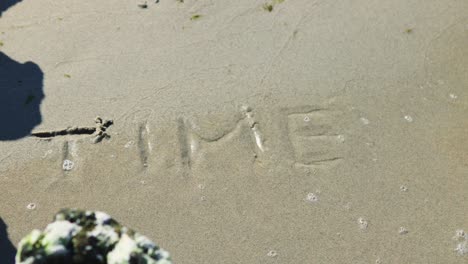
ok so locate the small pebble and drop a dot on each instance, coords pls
(453, 96)
(67, 165)
(31, 206)
(403, 188)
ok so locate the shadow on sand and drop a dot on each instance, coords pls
(7, 250)
(21, 95)
(5, 4)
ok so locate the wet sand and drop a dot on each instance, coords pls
(319, 132)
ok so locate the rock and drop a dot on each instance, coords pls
(79, 237)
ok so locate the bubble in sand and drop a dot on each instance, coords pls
(272, 253)
(31, 206)
(408, 118)
(341, 138)
(364, 120)
(403, 231)
(460, 234)
(128, 144)
(306, 119)
(403, 188)
(67, 165)
(462, 248)
(363, 223)
(312, 198)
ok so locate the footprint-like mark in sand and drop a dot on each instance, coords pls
(315, 136)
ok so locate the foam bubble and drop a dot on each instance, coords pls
(341, 138)
(128, 144)
(312, 198)
(68, 165)
(363, 223)
(403, 231)
(364, 120)
(272, 253)
(460, 234)
(462, 248)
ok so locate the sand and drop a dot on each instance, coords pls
(317, 132)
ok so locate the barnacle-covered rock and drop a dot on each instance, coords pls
(86, 237)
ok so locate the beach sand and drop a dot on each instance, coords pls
(297, 132)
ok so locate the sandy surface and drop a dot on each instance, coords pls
(309, 134)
